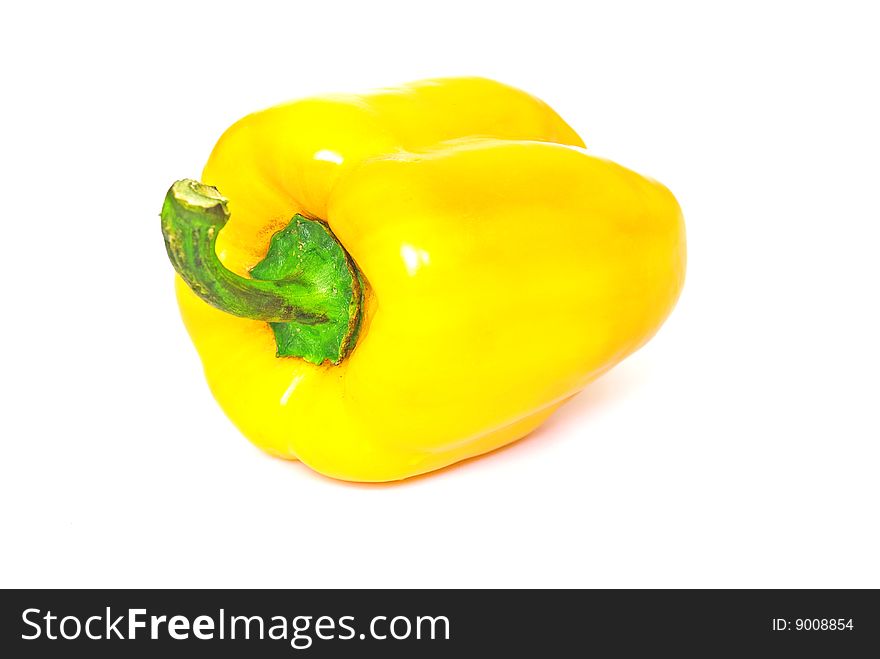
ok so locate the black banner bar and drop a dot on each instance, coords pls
(339, 623)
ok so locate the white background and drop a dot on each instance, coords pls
(739, 448)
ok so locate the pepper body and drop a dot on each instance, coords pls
(504, 269)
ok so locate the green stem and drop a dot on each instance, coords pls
(307, 287)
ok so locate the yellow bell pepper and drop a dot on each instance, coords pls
(383, 284)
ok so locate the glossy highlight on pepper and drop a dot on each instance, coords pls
(383, 284)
